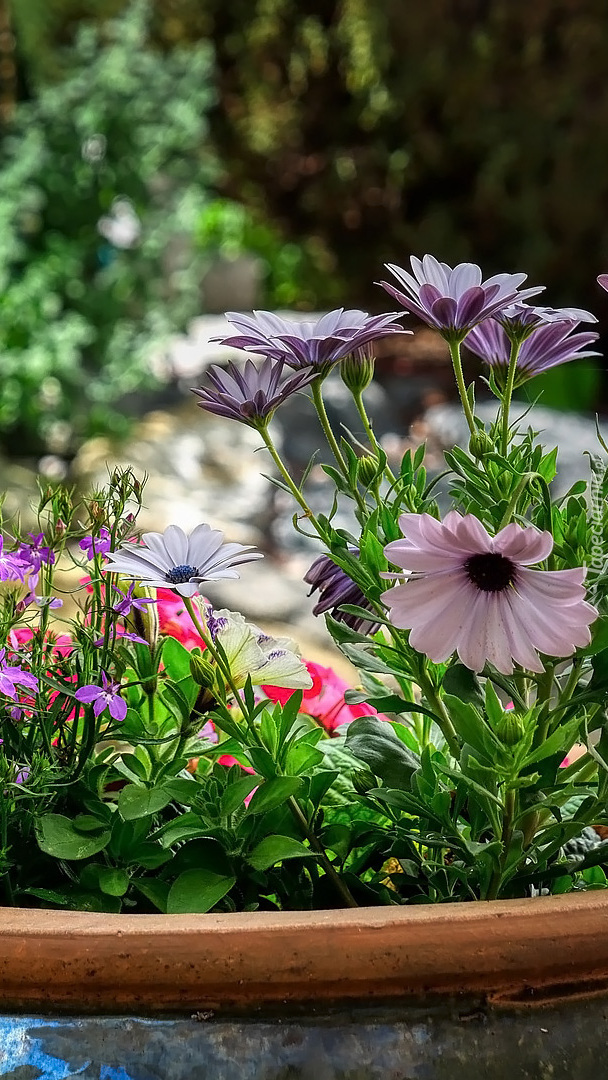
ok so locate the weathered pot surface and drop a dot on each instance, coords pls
(507, 952)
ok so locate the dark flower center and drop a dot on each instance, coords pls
(179, 574)
(490, 573)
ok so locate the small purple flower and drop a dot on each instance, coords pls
(308, 344)
(127, 602)
(11, 567)
(251, 394)
(603, 281)
(454, 300)
(550, 345)
(336, 588)
(22, 776)
(96, 545)
(33, 556)
(12, 676)
(122, 635)
(106, 696)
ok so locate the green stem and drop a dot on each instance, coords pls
(506, 517)
(369, 431)
(508, 394)
(324, 859)
(507, 834)
(222, 666)
(295, 491)
(317, 397)
(443, 718)
(454, 347)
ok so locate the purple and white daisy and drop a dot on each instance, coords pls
(468, 592)
(252, 393)
(335, 589)
(173, 560)
(453, 301)
(307, 344)
(550, 345)
(520, 320)
(106, 696)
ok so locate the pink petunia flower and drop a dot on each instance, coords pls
(468, 592)
(324, 701)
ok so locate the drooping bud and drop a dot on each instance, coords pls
(357, 370)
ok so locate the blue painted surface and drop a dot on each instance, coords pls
(449, 1042)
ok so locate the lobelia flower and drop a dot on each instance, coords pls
(454, 300)
(35, 554)
(128, 602)
(473, 593)
(106, 696)
(308, 344)
(251, 394)
(550, 345)
(12, 676)
(182, 563)
(96, 545)
(336, 588)
(253, 654)
(11, 566)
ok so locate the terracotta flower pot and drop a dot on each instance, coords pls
(506, 951)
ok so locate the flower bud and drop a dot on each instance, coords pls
(202, 671)
(368, 470)
(509, 728)
(357, 370)
(363, 781)
(480, 444)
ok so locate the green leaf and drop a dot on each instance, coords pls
(176, 659)
(154, 890)
(273, 793)
(138, 802)
(198, 891)
(374, 742)
(461, 682)
(472, 729)
(182, 791)
(235, 795)
(274, 849)
(560, 740)
(113, 881)
(57, 836)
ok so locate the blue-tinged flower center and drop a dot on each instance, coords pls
(179, 574)
(490, 572)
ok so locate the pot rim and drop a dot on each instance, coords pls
(503, 950)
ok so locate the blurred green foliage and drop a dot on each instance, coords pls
(357, 132)
(472, 130)
(101, 182)
(290, 273)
